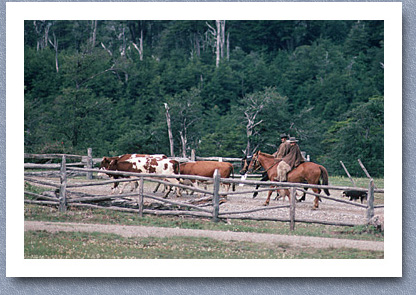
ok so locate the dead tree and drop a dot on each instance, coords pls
(254, 105)
(139, 47)
(42, 31)
(219, 37)
(172, 153)
(55, 47)
(94, 33)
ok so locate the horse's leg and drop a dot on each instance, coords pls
(316, 201)
(303, 198)
(280, 193)
(268, 198)
(265, 177)
(256, 193)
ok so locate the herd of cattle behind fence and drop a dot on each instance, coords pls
(212, 199)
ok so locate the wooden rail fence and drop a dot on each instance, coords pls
(63, 188)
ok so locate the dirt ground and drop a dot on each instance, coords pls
(147, 231)
(329, 210)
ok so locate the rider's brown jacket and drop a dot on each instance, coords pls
(294, 157)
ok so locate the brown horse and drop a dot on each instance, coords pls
(307, 172)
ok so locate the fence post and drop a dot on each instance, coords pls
(89, 163)
(348, 174)
(141, 184)
(62, 190)
(370, 200)
(365, 170)
(216, 197)
(193, 155)
(292, 207)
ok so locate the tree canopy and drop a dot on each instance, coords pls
(103, 84)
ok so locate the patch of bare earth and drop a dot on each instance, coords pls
(146, 231)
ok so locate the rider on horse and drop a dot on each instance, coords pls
(291, 160)
(283, 147)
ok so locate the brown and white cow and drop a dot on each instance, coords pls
(158, 164)
(107, 161)
(207, 169)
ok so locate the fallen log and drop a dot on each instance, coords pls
(51, 197)
(255, 210)
(176, 203)
(42, 182)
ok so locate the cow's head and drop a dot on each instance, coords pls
(108, 163)
(176, 166)
(105, 163)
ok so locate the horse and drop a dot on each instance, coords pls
(245, 162)
(307, 172)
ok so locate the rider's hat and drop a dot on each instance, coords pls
(284, 135)
(293, 139)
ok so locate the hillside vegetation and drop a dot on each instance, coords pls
(229, 86)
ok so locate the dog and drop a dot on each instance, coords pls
(355, 195)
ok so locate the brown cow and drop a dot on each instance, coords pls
(110, 161)
(207, 169)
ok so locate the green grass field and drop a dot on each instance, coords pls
(44, 245)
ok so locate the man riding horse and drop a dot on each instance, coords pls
(292, 159)
(306, 172)
(283, 147)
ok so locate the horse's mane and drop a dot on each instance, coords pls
(266, 155)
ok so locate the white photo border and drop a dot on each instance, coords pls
(17, 12)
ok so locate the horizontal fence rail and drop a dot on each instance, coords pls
(60, 199)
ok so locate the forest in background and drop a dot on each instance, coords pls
(230, 86)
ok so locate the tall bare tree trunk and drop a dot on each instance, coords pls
(94, 33)
(42, 32)
(172, 153)
(222, 39)
(228, 46)
(219, 37)
(184, 142)
(140, 47)
(218, 45)
(55, 46)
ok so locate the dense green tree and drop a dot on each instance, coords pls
(103, 84)
(358, 135)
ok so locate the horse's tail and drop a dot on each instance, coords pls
(325, 177)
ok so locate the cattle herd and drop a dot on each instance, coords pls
(161, 164)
